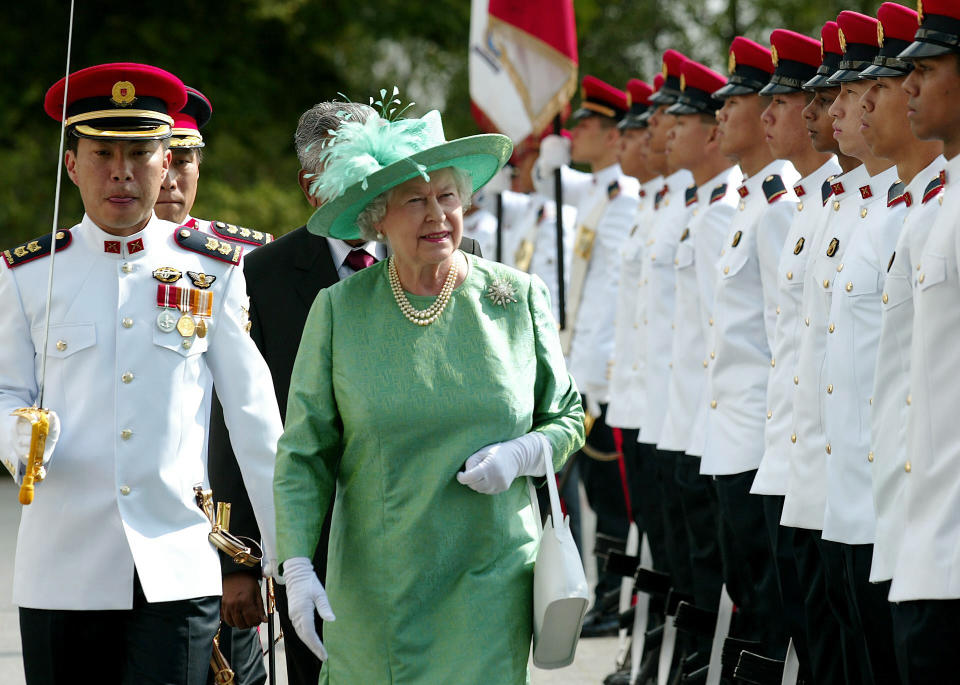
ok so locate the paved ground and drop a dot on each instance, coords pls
(594, 660)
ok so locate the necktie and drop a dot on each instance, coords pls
(359, 259)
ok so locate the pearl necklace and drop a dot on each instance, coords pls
(421, 317)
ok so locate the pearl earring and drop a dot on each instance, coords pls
(380, 235)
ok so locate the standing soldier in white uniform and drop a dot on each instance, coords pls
(606, 202)
(739, 342)
(854, 334)
(855, 195)
(114, 573)
(656, 325)
(925, 591)
(693, 144)
(797, 59)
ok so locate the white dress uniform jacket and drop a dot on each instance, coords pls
(119, 492)
(626, 406)
(591, 347)
(928, 562)
(805, 499)
(851, 358)
(534, 217)
(744, 312)
(812, 209)
(891, 384)
(658, 295)
(695, 265)
(481, 225)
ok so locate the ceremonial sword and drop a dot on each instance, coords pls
(37, 415)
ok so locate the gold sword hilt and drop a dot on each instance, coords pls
(39, 430)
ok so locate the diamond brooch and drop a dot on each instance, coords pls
(501, 291)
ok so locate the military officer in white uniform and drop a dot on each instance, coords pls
(853, 337)
(114, 572)
(693, 144)
(738, 350)
(606, 202)
(858, 196)
(925, 590)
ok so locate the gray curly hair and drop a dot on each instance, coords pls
(374, 212)
(315, 125)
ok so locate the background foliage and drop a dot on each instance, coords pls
(262, 62)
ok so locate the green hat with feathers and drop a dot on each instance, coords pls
(361, 160)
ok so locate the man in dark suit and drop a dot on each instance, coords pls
(283, 278)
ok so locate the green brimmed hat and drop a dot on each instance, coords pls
(362, 160)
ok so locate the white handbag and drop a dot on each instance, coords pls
(560, 594)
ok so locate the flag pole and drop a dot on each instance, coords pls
(558, 196)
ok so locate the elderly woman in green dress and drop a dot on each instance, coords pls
(425, 387)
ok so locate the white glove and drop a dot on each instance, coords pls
(305, 594)
(554, 153)
(492, 469)
(18, 452)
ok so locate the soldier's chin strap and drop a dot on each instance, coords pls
(39, 417)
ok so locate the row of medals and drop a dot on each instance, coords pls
(167, 321)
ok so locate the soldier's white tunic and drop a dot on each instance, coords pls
(805, 498)
(695, 265)
(812, 211)
(658, 295)
(849, 364)
(130, 396)
(928, 561)
(744, 312)
(891, 385)
(626, 404)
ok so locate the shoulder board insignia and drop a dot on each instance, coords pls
(239, 234)
(685, 234)
(201, 243)
(718, 192)
(690, 195)
(773, 187)
(658, 198)
(826, 190)
(613, 189)
(895, 193)
(34, 249)
(930, 192)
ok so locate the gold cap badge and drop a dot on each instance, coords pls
(879, 34)
(664, 70)
(919, 11)
(774, 56)
(683, 82)
(124, 94)
(843, 40)
(732, 62)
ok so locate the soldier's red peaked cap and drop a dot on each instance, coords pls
(669, 90)
(599, 98)
(895, 33)
(750, 66)
(796, 58)
(831, 54)
(638, 102)
(118, 100)
(860, 42)
(697, 85)
(939, 32)
(189, 120)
